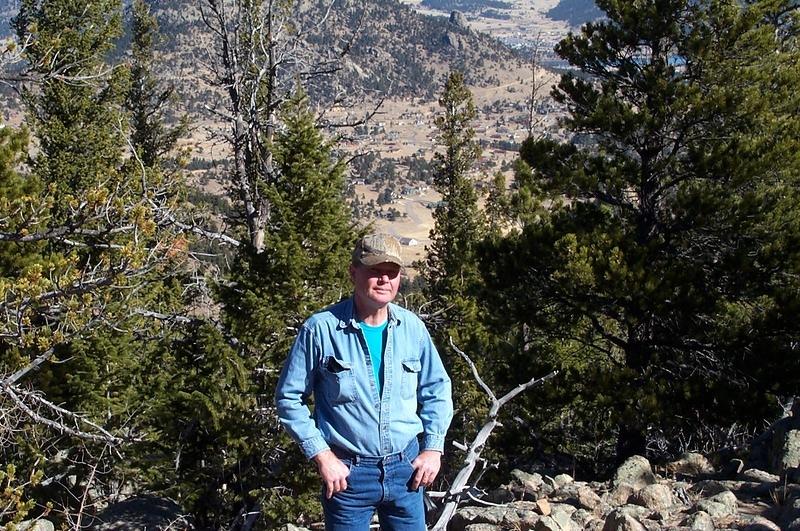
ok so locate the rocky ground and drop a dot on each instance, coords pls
(761, 493)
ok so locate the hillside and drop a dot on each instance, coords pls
(395, 52)
(575, 12)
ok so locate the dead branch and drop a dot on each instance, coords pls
(460, 487)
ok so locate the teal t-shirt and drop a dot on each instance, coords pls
(375, 337)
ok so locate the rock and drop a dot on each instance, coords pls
(483, 527)
(141, 512)
(719, 505)
(699, 521)
(543, 507)
(789, 455)
(636, 472)
(562, 508)
(528, 519)
(619, 495)
(562, 480)
(588, 499)
(558, 521)
(292, 527)
(35, 525)
(458, 20)
(759, 523)
(691, 464)
(530, 482)
(619, 521)
(655, 497)
(497, 516)
(582, 517)
(754, 474)
(638, 512)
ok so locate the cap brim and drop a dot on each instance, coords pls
(375, 259)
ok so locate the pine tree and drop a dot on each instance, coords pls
(650, 280)
(450, 270)
(301, 269)
(97, 254)
(458, 223)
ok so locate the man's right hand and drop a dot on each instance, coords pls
(334, 473)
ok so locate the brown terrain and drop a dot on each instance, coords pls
(405, 125)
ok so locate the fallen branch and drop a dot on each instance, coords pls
(460, 486)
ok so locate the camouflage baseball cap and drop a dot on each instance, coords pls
(374, 249)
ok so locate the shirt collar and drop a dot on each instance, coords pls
(352, 321)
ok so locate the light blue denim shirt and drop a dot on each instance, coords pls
(330, 360)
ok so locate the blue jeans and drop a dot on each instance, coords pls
(377, 484)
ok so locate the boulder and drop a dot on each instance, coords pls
(756, 475)
(691, 464)
(483, 527)
(557, 521)
(636, 511)
(636, 472)
(759, 523)
(655, 497)
(699, 521)
(543, 507)
(720, 505)
(497, 516)
(530, 483)
(588, 499)
(582, 517)
(620, 521)
(141, 512)
(788, 459)
(36, 525)
(562, 480)
(620, 495)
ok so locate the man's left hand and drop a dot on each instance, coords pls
(426, 468)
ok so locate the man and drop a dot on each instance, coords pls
(378, 382)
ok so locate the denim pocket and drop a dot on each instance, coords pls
(338, 384)
(411, 370)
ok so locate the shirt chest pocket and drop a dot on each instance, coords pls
(410, 378)
(337, 381)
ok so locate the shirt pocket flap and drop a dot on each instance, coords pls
(335, 365)
(412, 365)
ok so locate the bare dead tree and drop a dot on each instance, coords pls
(461, 486)
(258, 55)
(538, 82)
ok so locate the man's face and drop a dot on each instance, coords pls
(375, 286)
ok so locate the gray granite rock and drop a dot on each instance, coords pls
(636, 472)
(656, 497)
(618, 520)
(719, 505)
(35, 525)
(699, 521)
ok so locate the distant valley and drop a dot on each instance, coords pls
(400, 53)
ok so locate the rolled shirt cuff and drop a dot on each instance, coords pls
(433, 442)
(312, 447)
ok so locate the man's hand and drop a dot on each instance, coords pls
(334, 473)
(426, 468)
